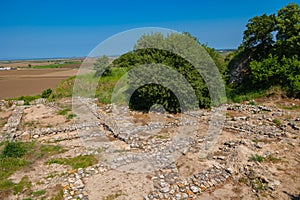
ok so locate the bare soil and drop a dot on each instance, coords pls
(15, 83)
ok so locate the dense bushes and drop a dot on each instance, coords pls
(272, 71)
(267, 61)
(156, 93)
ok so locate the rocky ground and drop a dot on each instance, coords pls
(238, 151)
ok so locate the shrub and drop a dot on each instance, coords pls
(46, 93)
(257, 158)
(14, 150)
(71, 116)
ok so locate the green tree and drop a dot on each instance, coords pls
(262, 62)
(259, 35)
(288, 27)
(158, 49)
(102, 66)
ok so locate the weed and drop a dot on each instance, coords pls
(71, 116)
(252, 102)
(26, 99)
(50, 150)
(46, 93)
(255, 140)
(14, 150)
(58, 196)
(277, 122)
(38, 193)
(76, 162)
(24, 183)
(257, 158)
(64, 111)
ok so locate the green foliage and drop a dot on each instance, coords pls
(64, 111)
(274, 71)
(12, 160)
(76, 162)
(257, 158)
(267, 62)
(58, 65)
(46, 93)
(16, 155)
(102, 66)
(59, 195)
(38, 193)
(71, 116)
(288, 27)
(14, 150)
(48, 150)
(259, 34)
(24, 183)
(277, 122)
(64, 89)
(156, 93)
(26, 99)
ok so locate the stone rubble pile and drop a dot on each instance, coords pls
(159, 153)
(168, 185)
(14, 120)
(74, 187)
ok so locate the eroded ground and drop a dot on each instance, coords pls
(157, 156)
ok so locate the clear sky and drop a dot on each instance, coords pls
(61, 28)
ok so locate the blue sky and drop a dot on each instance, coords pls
(52, 28)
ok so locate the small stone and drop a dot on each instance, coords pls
(35, 136)
(178, 196)
(185, 196)
(203, 188)
(194, 189)
(165, 190)
(221, 157)
(189, 192)
(180, 185)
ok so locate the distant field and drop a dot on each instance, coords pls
(47, 63)
(15, 83)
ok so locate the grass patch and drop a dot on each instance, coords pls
(76, 162)
(255, 141)
(24, 183)
(16, 155)
(58, 196)
(64, 89)
(294, 107)
(277, 122)
(49, 150)
(38, 193)
(257, 158)
(58, 65)
(14, 149)
(237, 98)
(26, 99)
(64, 111)
(104, 90)
(71, 116)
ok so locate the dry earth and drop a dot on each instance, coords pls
(132, 167)
(15, 83)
